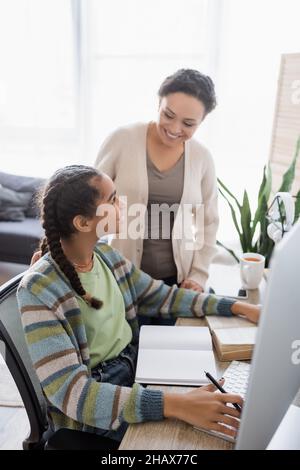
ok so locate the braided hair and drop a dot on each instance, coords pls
(67, 194)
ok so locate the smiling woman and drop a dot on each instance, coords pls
(160, 165)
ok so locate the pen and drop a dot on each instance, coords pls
(210, 377)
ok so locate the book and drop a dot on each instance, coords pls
(175, 355)
(233, 338)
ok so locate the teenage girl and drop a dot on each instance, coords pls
(79, 305)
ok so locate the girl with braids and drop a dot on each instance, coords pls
(55, 213)
(79, 305)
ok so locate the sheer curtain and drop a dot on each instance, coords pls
(132, 46)
(253, 35)
(74, 70)
(39, 85)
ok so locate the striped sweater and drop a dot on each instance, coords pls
(57, 343)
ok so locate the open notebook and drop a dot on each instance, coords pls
(174, 355)
(233, 338)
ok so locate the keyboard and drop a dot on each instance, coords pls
(236, 378)
(236, 381)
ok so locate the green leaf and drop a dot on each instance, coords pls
(264, 191)
(246, 221)
(297, 207)
(229, 250)
(289, 175)
(262, 184)
(268, 185)
(228, 192)
(263, 241)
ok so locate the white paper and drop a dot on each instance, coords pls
(175, 355)
(236, 336)
(175, 337)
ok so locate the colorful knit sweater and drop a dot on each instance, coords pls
(57, 343)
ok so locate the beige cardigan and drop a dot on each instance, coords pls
(123, 157)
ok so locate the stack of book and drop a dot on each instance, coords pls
(233, 338)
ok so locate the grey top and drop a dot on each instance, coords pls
(164, 188)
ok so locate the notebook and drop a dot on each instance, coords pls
(174, 355)
(233, 338)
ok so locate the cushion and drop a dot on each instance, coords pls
(13, 204)
(24, 184)
(18, 240)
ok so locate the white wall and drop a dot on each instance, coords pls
(254, 35)
(38, 86)
(133, 46)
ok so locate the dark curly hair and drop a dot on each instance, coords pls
(67, 194)
(192, 83)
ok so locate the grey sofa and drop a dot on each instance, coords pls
(19, 238)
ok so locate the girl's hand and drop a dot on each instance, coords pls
(35, 257)
(205, 409)
(193, 285)
(250, 311)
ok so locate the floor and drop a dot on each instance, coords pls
(14, 424)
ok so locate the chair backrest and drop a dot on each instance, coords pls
(19, 363)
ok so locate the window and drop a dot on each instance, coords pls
(133, 45)
(39, 84)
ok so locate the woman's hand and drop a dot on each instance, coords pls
(250, 311)
(205, 409)
(35, 257)
(193, 285)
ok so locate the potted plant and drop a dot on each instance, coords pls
(252, 230)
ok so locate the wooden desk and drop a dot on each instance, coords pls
(171, 434)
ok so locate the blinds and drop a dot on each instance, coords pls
(286, 126)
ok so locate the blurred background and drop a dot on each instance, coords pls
(71, 71)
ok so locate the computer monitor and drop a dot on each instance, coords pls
(275, 372)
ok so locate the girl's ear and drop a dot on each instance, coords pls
(82, 224)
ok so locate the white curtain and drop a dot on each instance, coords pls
(38, 83)
(253, 35)
(132, 46)
(72, 71)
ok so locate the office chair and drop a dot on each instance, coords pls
(19, 363)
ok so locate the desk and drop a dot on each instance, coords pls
(173, 434)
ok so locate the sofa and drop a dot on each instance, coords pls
(20, 228)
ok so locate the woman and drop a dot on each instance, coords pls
(159, 163)
(79, 305)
